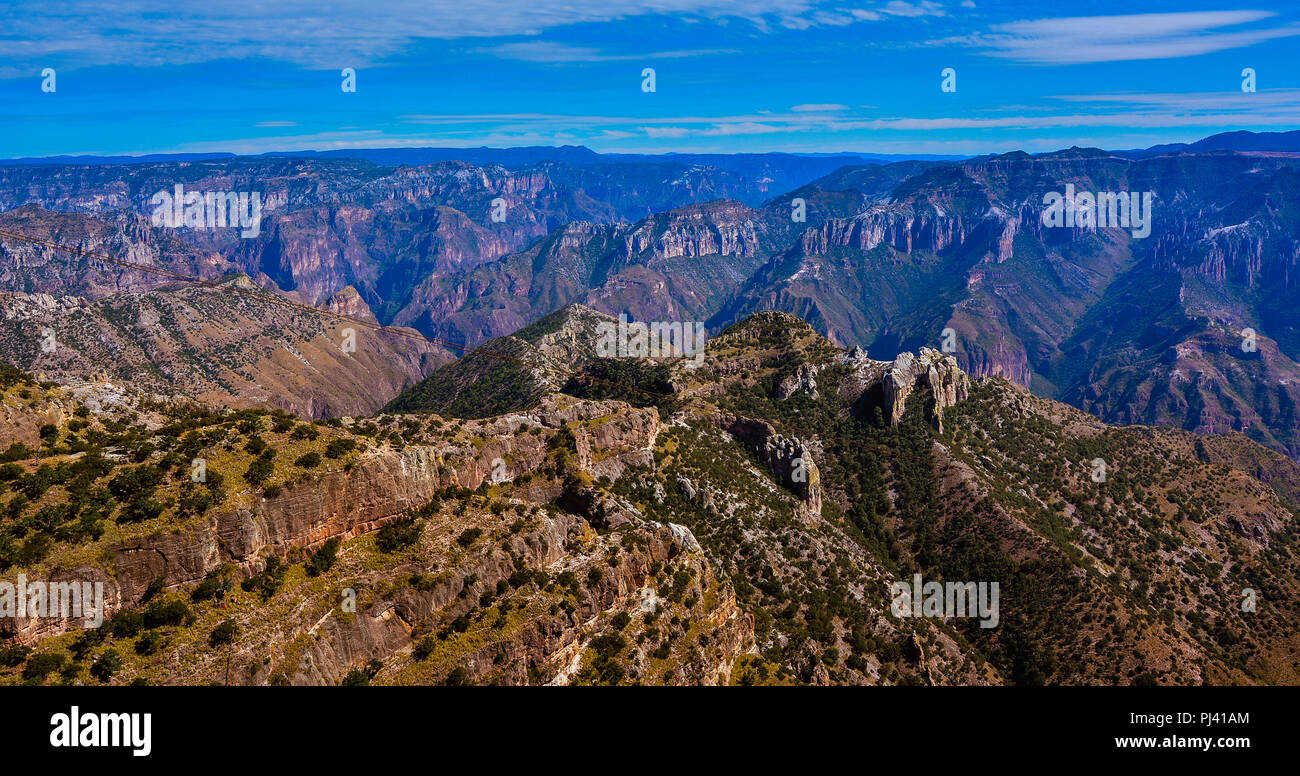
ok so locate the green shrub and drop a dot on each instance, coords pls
(322, 560)
(42, 665)
(337, 448)
(223, 634)
(13, 656)
(458, 677)
(126, 623)
(259, 471)
(356, 678)
(17, 451)
(195, 500)
(214, 586)
(399, 534)
(167, 612)
(469, 536)
(150, 643)
(106, 665)
(424, 647)
(267, 581)
(362, 676)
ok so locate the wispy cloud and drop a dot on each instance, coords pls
(551, 51)
(1269, 106)
(838, 17)
(1085, 39)
(819, 107)
(923, 8)
(314, 33)
(330, 33)
(1194, 100)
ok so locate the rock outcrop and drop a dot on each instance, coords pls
(889, 384)
(790, 460)
(804, 379)
(932, 370)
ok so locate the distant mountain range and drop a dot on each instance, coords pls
(511, 158)
(579, 156)
(1282, 142)
(1194, 326)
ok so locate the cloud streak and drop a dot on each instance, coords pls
(312, 33)
(1089, 39)
(553, 52)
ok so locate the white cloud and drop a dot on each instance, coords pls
(819, 107)
(1212, 111)
(800, 19)
(1077, 40)
(315, 33)
(666, 131)
(1235, 100)
(789, 131)
(337, 33)
(923, 8)
(550, 51)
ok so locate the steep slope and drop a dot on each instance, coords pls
(350, 552)
(217, 345)
(673, 266)
(1139, 577)
(747, 531)
(509, 374)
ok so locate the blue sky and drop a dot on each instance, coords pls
(731, 75)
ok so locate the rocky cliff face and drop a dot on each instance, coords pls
(734, 533)
(375, 489)
(789, 460)
(225, 343)
(931, 369)
(393, 602)
(1065, 310)
(328, 224)
(889, 384)
(514, 372)
(27, 267)
(551, 647)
